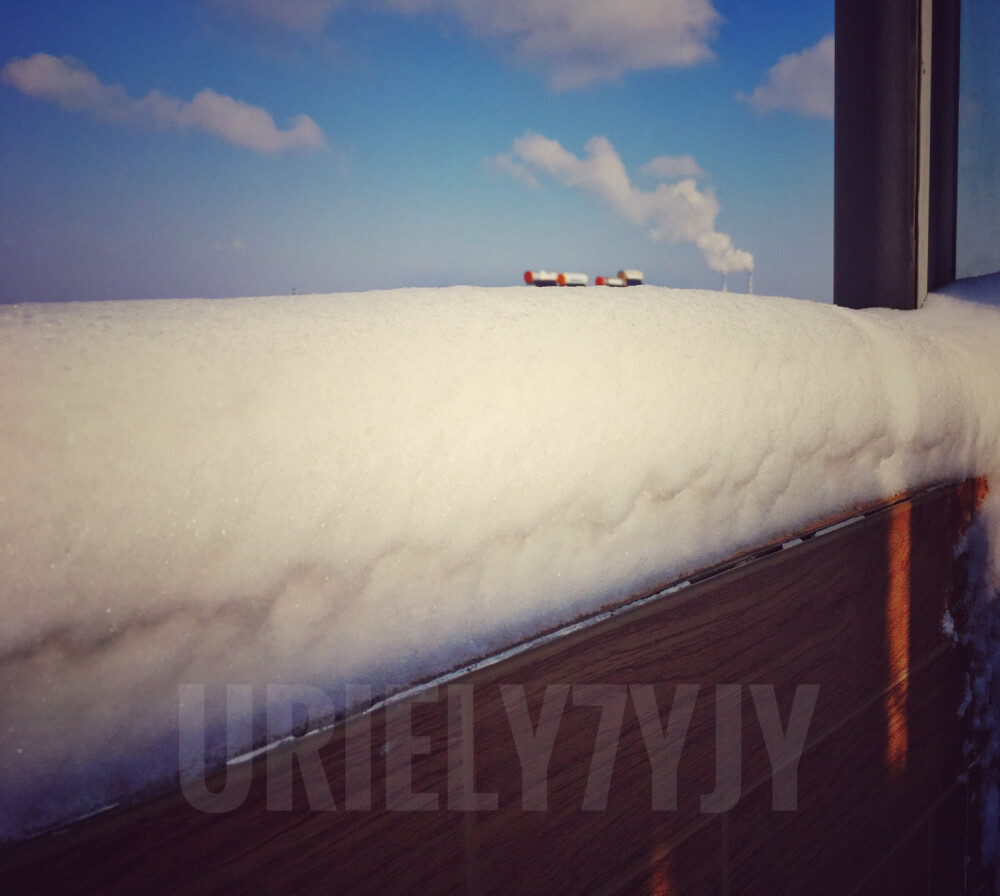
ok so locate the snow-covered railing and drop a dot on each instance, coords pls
(373, 489)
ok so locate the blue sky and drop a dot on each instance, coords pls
(205, 148)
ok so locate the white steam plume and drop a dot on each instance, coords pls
(676, 212)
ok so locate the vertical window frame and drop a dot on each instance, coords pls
(895, 150)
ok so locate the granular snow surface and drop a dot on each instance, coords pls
(380, 486)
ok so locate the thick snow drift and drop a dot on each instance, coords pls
(375, 487)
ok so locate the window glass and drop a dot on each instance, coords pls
(978, 240)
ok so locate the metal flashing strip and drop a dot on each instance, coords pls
(738, 561)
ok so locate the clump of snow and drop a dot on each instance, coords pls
(375, 487)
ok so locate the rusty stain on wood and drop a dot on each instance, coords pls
(898, 637)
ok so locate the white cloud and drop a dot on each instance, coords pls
(293, 15)
(677, 212)
(671, 167)
(581, 42)
(69, 85)
(799, 82)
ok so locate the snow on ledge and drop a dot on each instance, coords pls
(377, 487)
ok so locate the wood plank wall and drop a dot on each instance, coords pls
(880, 807)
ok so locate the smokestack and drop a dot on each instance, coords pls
(750, 282)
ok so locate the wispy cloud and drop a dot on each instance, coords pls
(678, 212)
(235, 245)
(799, 82)
(671, 167)
(505, 164)
(293, 15)
(70, 85)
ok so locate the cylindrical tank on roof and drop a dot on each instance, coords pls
(541, 278)
(573, 279)
(631, 276)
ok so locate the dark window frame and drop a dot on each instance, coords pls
(895, 150)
